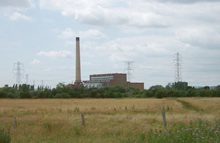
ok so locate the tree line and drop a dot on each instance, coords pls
(179, 89)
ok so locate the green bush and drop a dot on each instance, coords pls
(25, 94)
(4, 136)
(3, 94)
(160, 94)
(62, 95)
(11, 95)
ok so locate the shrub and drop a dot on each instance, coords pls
(4, 136)
(11, 95)
(118, 95)
(148, 94)
(62, 95)
(110, 95)
(160, 94)
(192, 93)
(25, 94)
(3, 94)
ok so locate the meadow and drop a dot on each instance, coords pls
(110, 120)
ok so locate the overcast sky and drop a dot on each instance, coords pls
(41, 35)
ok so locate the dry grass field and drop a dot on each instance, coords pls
(106, 120)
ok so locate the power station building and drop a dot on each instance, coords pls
(102, 80)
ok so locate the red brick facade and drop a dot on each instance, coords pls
(111, 80)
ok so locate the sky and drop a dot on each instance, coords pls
(41, 35)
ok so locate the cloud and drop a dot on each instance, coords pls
(12, 9)
(68, 33)
(202, 37)
(135, 48)
(70, 43)
(18, 4)
(140, 13)
(166, 26)
(92, 33)
(35, 61)
(62, 68)
(18, 16)
(102, 13)
(148, 20)
(185, 1)
(56, 54)
(98, 15)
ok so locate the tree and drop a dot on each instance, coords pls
(148, 94)
(25, 94)
(172, 93)
(217, 87)
(192, 93)
(155, 88)
(3, 94)
(205, 92)
(169, 86)
(160, 94)
(180, 85)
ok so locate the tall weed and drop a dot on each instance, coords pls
(5, 136)
(201, 131)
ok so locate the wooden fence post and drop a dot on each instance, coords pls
(83, 119)
(164, 119)
(15, 123)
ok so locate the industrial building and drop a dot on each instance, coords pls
(101, 80)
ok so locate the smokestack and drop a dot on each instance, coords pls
(78, 70)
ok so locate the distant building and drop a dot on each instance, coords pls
(102, 80)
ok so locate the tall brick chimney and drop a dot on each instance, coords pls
(78, 70)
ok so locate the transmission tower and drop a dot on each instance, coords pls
(129, 69)
(27, 79)
(178, 67)
(19, 72)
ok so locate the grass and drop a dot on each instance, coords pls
(199, 131)
(106, 120)
(188, 105)
(5, 136)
